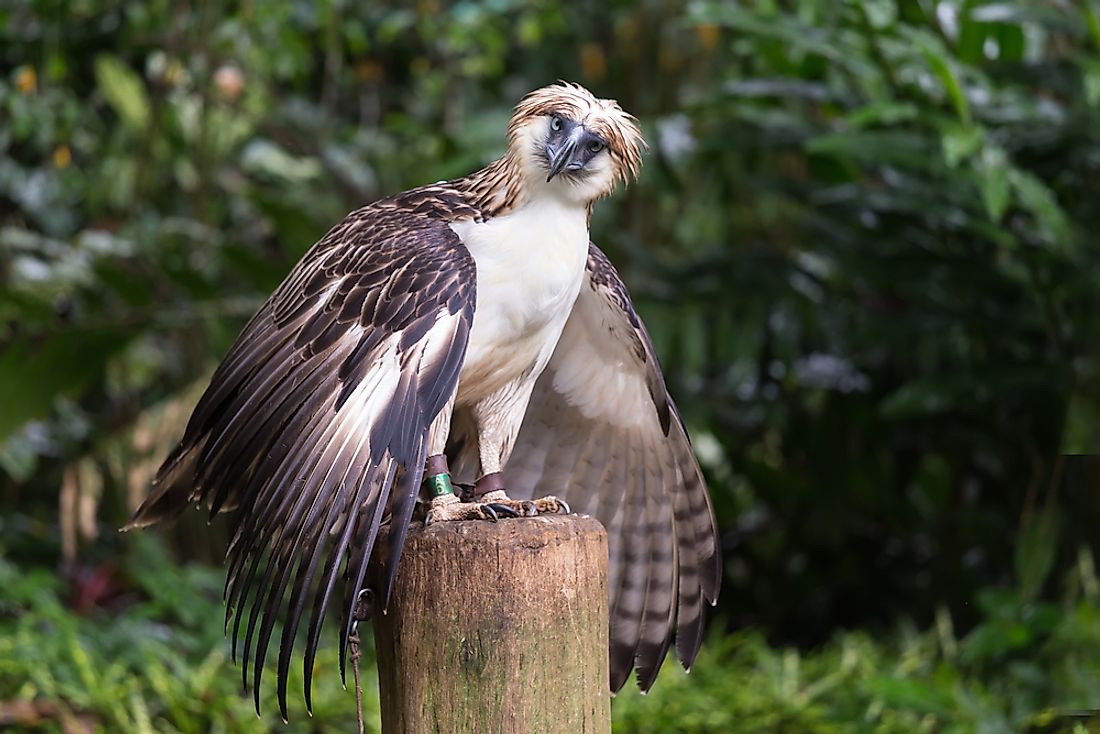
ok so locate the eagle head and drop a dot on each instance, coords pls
(567, 139)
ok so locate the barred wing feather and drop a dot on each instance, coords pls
(315, 424)
(602, 433)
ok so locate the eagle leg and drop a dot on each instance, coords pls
(486, 500)
(445, 504)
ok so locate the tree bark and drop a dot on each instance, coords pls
(497, 627)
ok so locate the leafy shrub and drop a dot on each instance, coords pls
(155, 659)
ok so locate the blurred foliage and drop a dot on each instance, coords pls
(162, 666)
(1027, 667)
(864, 241)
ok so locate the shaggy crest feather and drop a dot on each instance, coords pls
(603, 116)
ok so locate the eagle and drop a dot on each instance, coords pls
(465, 334)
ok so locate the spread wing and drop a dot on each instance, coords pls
(315, 424)
(602, 433)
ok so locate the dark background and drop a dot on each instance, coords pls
(864, 241)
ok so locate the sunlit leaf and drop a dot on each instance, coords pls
(960, 142)
(266, 158)
(993, 172)
(883, 113)
(124, 89)
(943, 66)
(18, 457)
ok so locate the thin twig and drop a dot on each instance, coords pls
(353, 641)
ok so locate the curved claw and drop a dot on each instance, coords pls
(489, 512)
(364, 605)
(564, 508)
(500, 509)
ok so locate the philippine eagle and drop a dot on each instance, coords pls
(469, 320)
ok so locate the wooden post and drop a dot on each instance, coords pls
(498, 627)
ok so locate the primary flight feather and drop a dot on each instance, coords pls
(466, 329)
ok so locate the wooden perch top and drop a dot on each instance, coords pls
(498, 627)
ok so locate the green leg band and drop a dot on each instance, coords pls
(439, 485)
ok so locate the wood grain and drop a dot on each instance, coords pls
(497, 627)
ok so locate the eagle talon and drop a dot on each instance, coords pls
(364, 606)
(499, 508)
(493, 507)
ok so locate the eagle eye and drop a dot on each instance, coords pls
(555, 123)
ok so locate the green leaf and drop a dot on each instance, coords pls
(1092, 22)
(943, 66)
(880, 14)
(971, 37)
(907, 693)
(18, 458)
(993, 172)
(883, 113)
(1035, 551)
(1035, 196)
(1011, 43)
(34, 371)
(900, 147)
(1090, 79)
(960, 142)
(124, 90)
(266, 158)
(1081, 434)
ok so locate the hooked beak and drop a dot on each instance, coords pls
(561, 157)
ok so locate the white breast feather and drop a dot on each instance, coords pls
(530, 265)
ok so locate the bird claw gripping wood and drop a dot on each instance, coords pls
(490, 492)
(495, 508)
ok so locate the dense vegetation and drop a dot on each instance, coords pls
(160, 664)
(864, 240)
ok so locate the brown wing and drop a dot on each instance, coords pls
(602, 432)
(315, 424)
